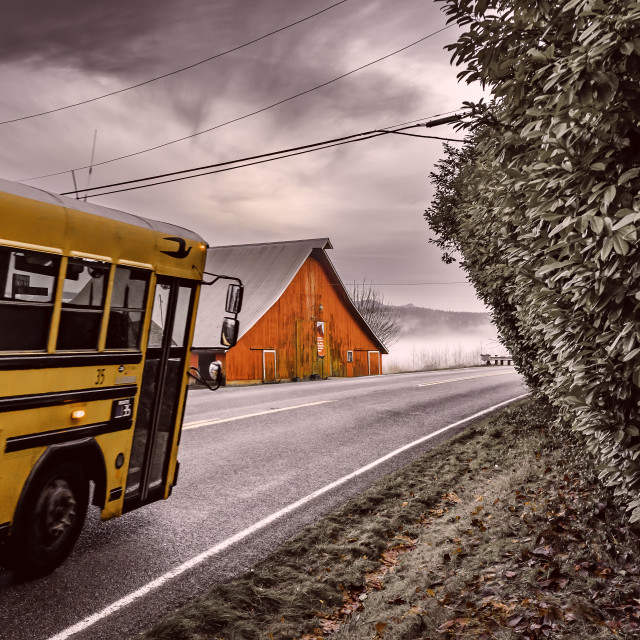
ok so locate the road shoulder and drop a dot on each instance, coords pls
(502, 528)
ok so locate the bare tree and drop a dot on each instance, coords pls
(383, 318)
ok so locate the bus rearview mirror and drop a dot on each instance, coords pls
(229, 334)
(234, 298)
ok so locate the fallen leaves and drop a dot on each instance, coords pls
(558, 520)
(544, 563)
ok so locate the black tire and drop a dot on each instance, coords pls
(49, 522)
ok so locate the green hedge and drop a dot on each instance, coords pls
(543, 205)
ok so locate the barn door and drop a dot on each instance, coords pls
(374, 363)
(360, 363)
(268, 365)
(350, 363)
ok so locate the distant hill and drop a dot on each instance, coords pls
(421, 322)
(433, 339)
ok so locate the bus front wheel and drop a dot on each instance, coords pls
(50, 520)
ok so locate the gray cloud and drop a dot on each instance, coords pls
(368, 197)
(124, 37)
(90, 35)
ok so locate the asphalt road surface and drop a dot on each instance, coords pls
(257, 465)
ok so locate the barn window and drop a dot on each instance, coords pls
(349, 356)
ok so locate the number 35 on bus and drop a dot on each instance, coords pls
(97, 312)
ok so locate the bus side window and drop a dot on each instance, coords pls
(159, 313)
(27, 287)
(183, 310)
(83, 297)
(128, 302)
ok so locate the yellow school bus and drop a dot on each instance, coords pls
(97, 312)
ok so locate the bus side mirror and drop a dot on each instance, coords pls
(229, 334)
(234, 298)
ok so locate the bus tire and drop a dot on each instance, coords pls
(50, 520)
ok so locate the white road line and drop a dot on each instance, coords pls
(206, 423)
(221, 546)
(484, 375)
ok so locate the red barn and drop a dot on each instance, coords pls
(297, 320)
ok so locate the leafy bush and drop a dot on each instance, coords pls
(543, 204)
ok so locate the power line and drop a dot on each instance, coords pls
(264, 155)
(399, 284)
(435, 115)
(414, 284)
(415, 135)
(238, 166)
(281, 155)
(217, 164)
(248, 115)
(261, 158)
(171, 73)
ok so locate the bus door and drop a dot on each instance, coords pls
(162, 382)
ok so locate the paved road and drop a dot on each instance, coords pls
(288, 442)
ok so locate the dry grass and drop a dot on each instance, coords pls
(447, 356)
(502, 533)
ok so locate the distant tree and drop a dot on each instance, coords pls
(383, 318)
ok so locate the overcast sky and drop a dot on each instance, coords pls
(367, 197)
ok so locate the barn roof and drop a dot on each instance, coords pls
(49, 197)
(266, 270)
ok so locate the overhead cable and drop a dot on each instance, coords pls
(237, 166)
(271, 153)
(218, 164)
(435, 115)
(397, 284)
(248, 115)
(171, 73)
(414, 284)
(415, 135)
(258, 159)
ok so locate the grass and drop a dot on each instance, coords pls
(427, 359)
(503, 533)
